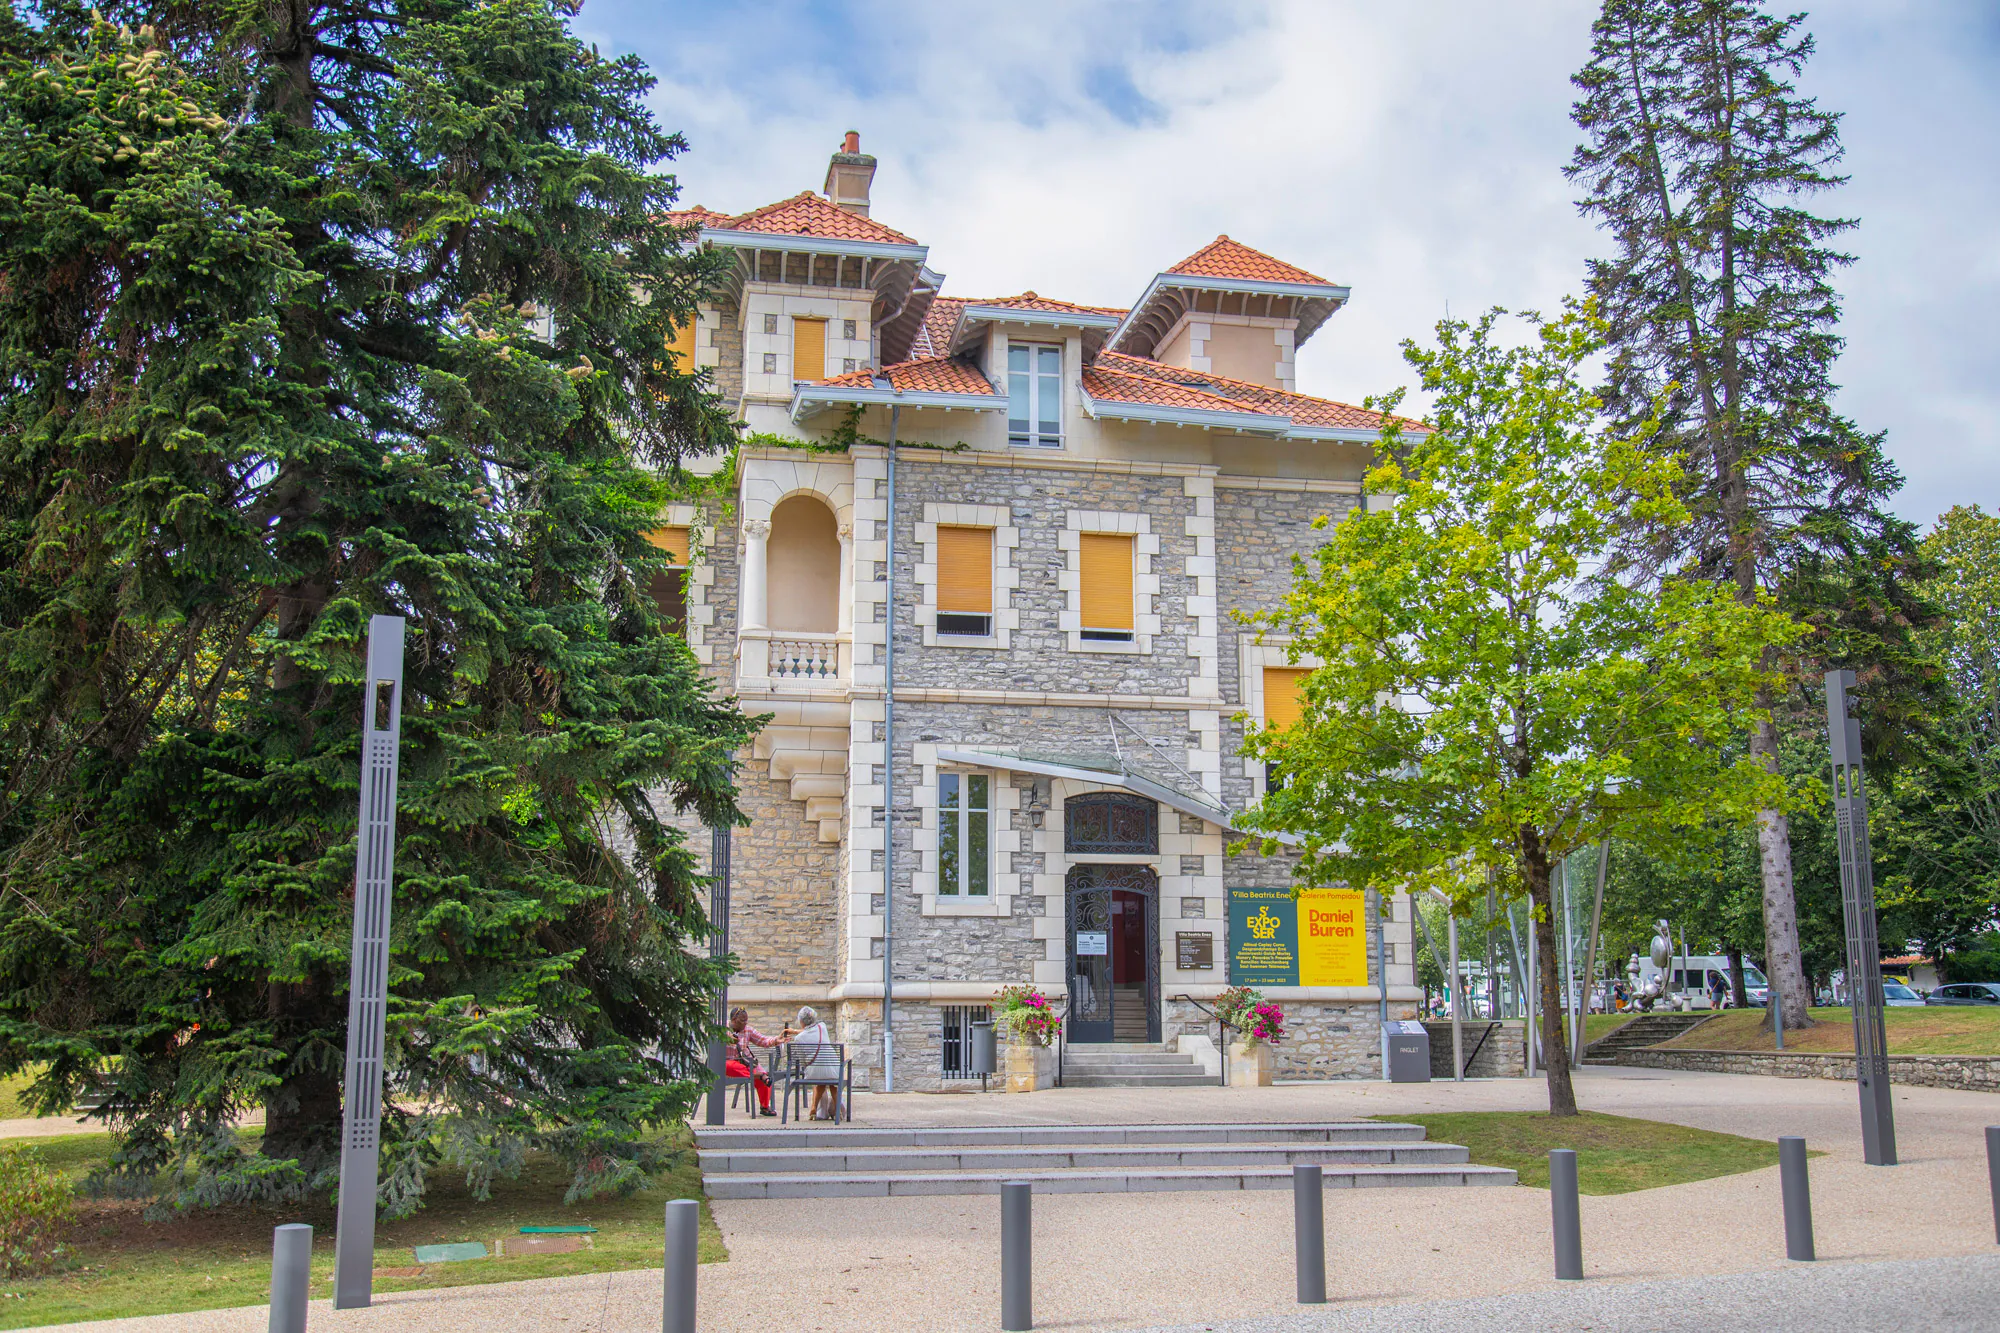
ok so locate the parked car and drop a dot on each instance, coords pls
(1966, 992)
(1894, 994)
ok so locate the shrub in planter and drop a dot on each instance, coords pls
(37, 1204)
(1254, 1018)
(1026, 1016)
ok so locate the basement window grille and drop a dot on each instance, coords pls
(956, 1060)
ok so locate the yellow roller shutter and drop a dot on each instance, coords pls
(681, 344)
(674, 541)
(1106, 561)
(808, 349)
(1284, 700)
(965, 570)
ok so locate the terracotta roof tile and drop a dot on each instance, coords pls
(1121, 386)
(934, 338)
(699, 216)
(1224, 258)
(808, 214)
(1242, 395)
(1030, 301)
(936, 374)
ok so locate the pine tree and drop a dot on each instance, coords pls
(1698, 155)
(313, 312)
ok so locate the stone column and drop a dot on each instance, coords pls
(756, 533)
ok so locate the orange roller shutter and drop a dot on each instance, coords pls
(965, 571)
(1106, 561)
(674, 541)
(682, 346)
(1284, 697)
(808, 349)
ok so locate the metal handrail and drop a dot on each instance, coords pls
(1221, 1045)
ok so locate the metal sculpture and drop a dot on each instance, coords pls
(1857, 901)
(368, 969)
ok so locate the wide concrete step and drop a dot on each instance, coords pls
(806, 1185)
(1181, 1079)
(1063, 1157)
(1153, 1066)
(986, 1136)
(1113, 1059)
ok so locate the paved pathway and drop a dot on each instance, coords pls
(1199, 1260)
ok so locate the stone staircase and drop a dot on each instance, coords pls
(1645, 1030)
(1130, 1064)
(851, 1161)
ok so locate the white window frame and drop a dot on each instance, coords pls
(1003, 801)
(956, 824)
(1145, 583)
(1034, 439)
(1006, 540)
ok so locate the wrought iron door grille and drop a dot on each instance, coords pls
(955, 1059)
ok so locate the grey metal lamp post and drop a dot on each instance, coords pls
(368, 969)
(718, 947)
(1857, 901)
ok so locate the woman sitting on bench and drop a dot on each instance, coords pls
(742, 1061)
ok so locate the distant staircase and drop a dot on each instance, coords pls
(851, 1160)
(1645, 1030)
(1130, 1064)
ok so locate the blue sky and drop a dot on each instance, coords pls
(1412, 151)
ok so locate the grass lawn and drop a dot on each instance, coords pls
(1599, 1025)
(1932, 1030)
(1615, 1154)
(127, 1266)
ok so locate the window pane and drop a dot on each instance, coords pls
(1049, 401)
(978, 858)
(1017, 401)
(975, 791)
(948, 833)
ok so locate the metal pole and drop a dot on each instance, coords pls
(1457, 1004)
(368, 968)
(889, 774)
(1529, 990)
(291, 1276)
(1777, 1014)
(718, 947)
(1017, 1257)
(1382, 981)
(1567, 1214)
(1798, 1197)
(1590, 951)
(1993, 1175)
(1309, 1232)
(677, 1306)
(1857, 900)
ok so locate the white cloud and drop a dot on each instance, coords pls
(1412, 151)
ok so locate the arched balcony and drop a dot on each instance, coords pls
(795, 612)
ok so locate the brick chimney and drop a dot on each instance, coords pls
(849, 175)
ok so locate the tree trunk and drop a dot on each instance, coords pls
(1784, 963)
(1555, 1045)
(1738, 993)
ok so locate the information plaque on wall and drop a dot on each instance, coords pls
(1093, 943)
(1195, 950)
(1319, 938)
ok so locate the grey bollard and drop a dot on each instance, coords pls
(291, 1276)
(683, 1234)
(1567, 1214)
(1017, 1306)
(1798, 1197)
(1309, 1227)
(1993, 1174)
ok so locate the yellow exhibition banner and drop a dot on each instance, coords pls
(1333, 938)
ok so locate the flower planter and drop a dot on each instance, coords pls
(1025, 1067)
(1250, 1066)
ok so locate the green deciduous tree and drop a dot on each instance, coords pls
(1698, 158)
(1485, 693)
(311, 312)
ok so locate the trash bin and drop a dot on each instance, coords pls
(984, 1060)
(1409, 1052)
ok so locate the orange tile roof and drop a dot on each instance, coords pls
(1030, 301)
(804, 214)
(1122, 386)
(934, 337)
(699, 216)
(935, 374)
(1224, 258)
(1232, 395)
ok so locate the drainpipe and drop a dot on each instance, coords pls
(889, 783)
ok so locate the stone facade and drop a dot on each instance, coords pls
(1492, 1049)
(1217, 484)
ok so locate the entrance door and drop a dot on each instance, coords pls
(1114, 948)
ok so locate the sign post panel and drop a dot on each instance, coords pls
(1318, 938)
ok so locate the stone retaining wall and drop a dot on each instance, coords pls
(1504, 1054)
(1971, 1073)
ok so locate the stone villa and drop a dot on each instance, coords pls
(1082, 497)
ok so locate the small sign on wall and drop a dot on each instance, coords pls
(1194, 950)
(1093, 943)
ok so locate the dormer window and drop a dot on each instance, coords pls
(1034, 395)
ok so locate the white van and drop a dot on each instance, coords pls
(1695, 974)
